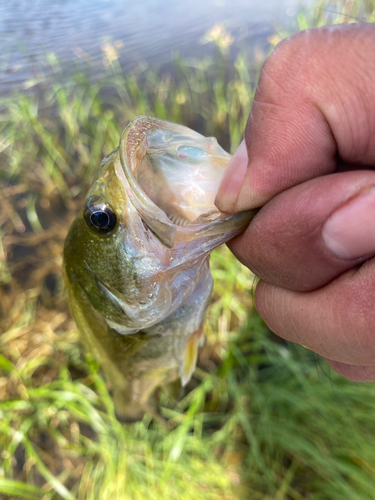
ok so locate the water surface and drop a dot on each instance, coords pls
(148, 30)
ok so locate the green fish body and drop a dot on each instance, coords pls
(136, 258)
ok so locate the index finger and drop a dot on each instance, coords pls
(314, 102)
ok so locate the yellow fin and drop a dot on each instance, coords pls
(190, 355)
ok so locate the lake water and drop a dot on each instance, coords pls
(148, 30)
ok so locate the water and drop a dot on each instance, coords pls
(147, 29)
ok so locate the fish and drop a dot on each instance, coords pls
(136, 259)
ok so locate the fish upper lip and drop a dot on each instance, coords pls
(125, 308)
(141, 316)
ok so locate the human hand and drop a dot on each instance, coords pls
(308, 156)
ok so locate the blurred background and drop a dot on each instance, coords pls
(261, 418)
(148, 31)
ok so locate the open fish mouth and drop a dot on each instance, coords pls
(174, 174)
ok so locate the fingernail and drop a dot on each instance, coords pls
(350, 231)
(232, 180)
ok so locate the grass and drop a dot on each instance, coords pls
(261, 419)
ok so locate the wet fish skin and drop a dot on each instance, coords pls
(139, 292)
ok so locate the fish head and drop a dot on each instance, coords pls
(137, 248)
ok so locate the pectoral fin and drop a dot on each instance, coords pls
(190, 355)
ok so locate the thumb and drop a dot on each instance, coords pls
(313, 103)
(233, 180)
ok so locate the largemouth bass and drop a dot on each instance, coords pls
(136, 258)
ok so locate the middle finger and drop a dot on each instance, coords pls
(285, 245)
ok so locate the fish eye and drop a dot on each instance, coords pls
(99, 216)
